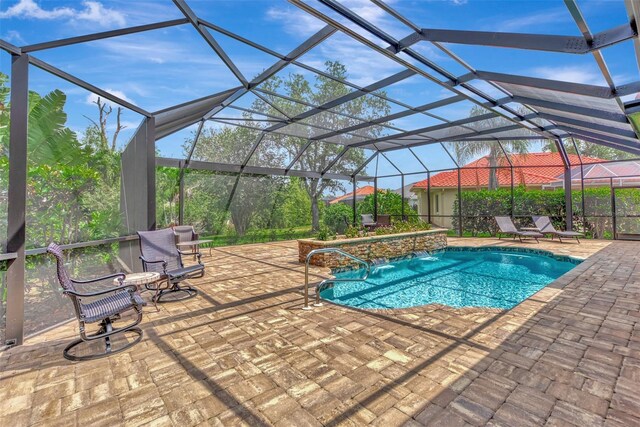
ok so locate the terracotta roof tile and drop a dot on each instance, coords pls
(360, 192)
(536, 169)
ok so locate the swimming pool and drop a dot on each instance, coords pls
(457, 277)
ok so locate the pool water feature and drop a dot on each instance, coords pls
(456, 277)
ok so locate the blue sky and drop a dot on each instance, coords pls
(165, 67)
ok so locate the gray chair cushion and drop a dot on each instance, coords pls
(109, 306)
(180, 272)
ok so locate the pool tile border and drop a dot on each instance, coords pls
(564, 258)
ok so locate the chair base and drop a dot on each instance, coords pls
(188, 292)
(108, 346)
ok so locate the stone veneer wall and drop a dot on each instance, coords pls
(372, 247)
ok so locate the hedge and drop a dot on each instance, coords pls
(479, 208)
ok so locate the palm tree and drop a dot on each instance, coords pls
(467, 150)
(50, 141)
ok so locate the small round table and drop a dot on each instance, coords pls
(141, 280)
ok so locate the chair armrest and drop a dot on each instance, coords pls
(98, 279)
(130, 288)
(196, 253)
(154, 261)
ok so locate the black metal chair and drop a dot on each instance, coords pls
(103, 306)
(160, 254)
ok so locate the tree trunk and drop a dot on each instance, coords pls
(493, 172)
(315, 213)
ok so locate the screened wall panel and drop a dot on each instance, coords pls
(74, 167)
(167, 196)
(206, 199)
(224, 143)
(486, 192)
(5, 93)
(45, 305)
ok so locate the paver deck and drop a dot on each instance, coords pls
(244, 353)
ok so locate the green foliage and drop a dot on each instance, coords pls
(389, 203)
(233, 144)
(402, 227)
(352, 232)
(337, 217)
(324, 233)
(480, 207)
(73, 186)
(589, 149)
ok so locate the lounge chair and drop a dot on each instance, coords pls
(160, 254)
(104, 306)
(506, 226)
(368, 222)
(546, 227)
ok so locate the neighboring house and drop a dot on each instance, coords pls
(409, 196)
(620, 174)
(361, 193)
(533, 170)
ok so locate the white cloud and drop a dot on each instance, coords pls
(93, 12)
(550, 16)
(573, 74)
(92, 98)
(14, 37)
(296, 22)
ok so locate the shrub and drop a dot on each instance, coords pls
(479, 208)
(352, 232)
(403, 227)
(337, 217)
(325, 234)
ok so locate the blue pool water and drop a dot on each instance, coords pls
(457, 278)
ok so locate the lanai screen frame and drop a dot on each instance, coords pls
(556, 128)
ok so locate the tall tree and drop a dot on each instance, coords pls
(467, 150)
(288, 97)
(300, 93)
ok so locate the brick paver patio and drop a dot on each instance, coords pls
(244, 353)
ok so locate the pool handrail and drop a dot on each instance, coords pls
(306, 274)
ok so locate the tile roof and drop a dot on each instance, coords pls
(360, 193)
(536, 169)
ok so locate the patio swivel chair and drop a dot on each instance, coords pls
(185, 233)
(103, 306)
(160, 254)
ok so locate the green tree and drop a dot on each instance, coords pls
(389, 203)
(589, 149)
(301, 93)
(72, 185)
(232, 144)
(465, 151)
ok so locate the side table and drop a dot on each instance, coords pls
(141, 281)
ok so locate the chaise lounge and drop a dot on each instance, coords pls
(546, 227)
(506, 226)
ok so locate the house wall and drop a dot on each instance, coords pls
(446, 199)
